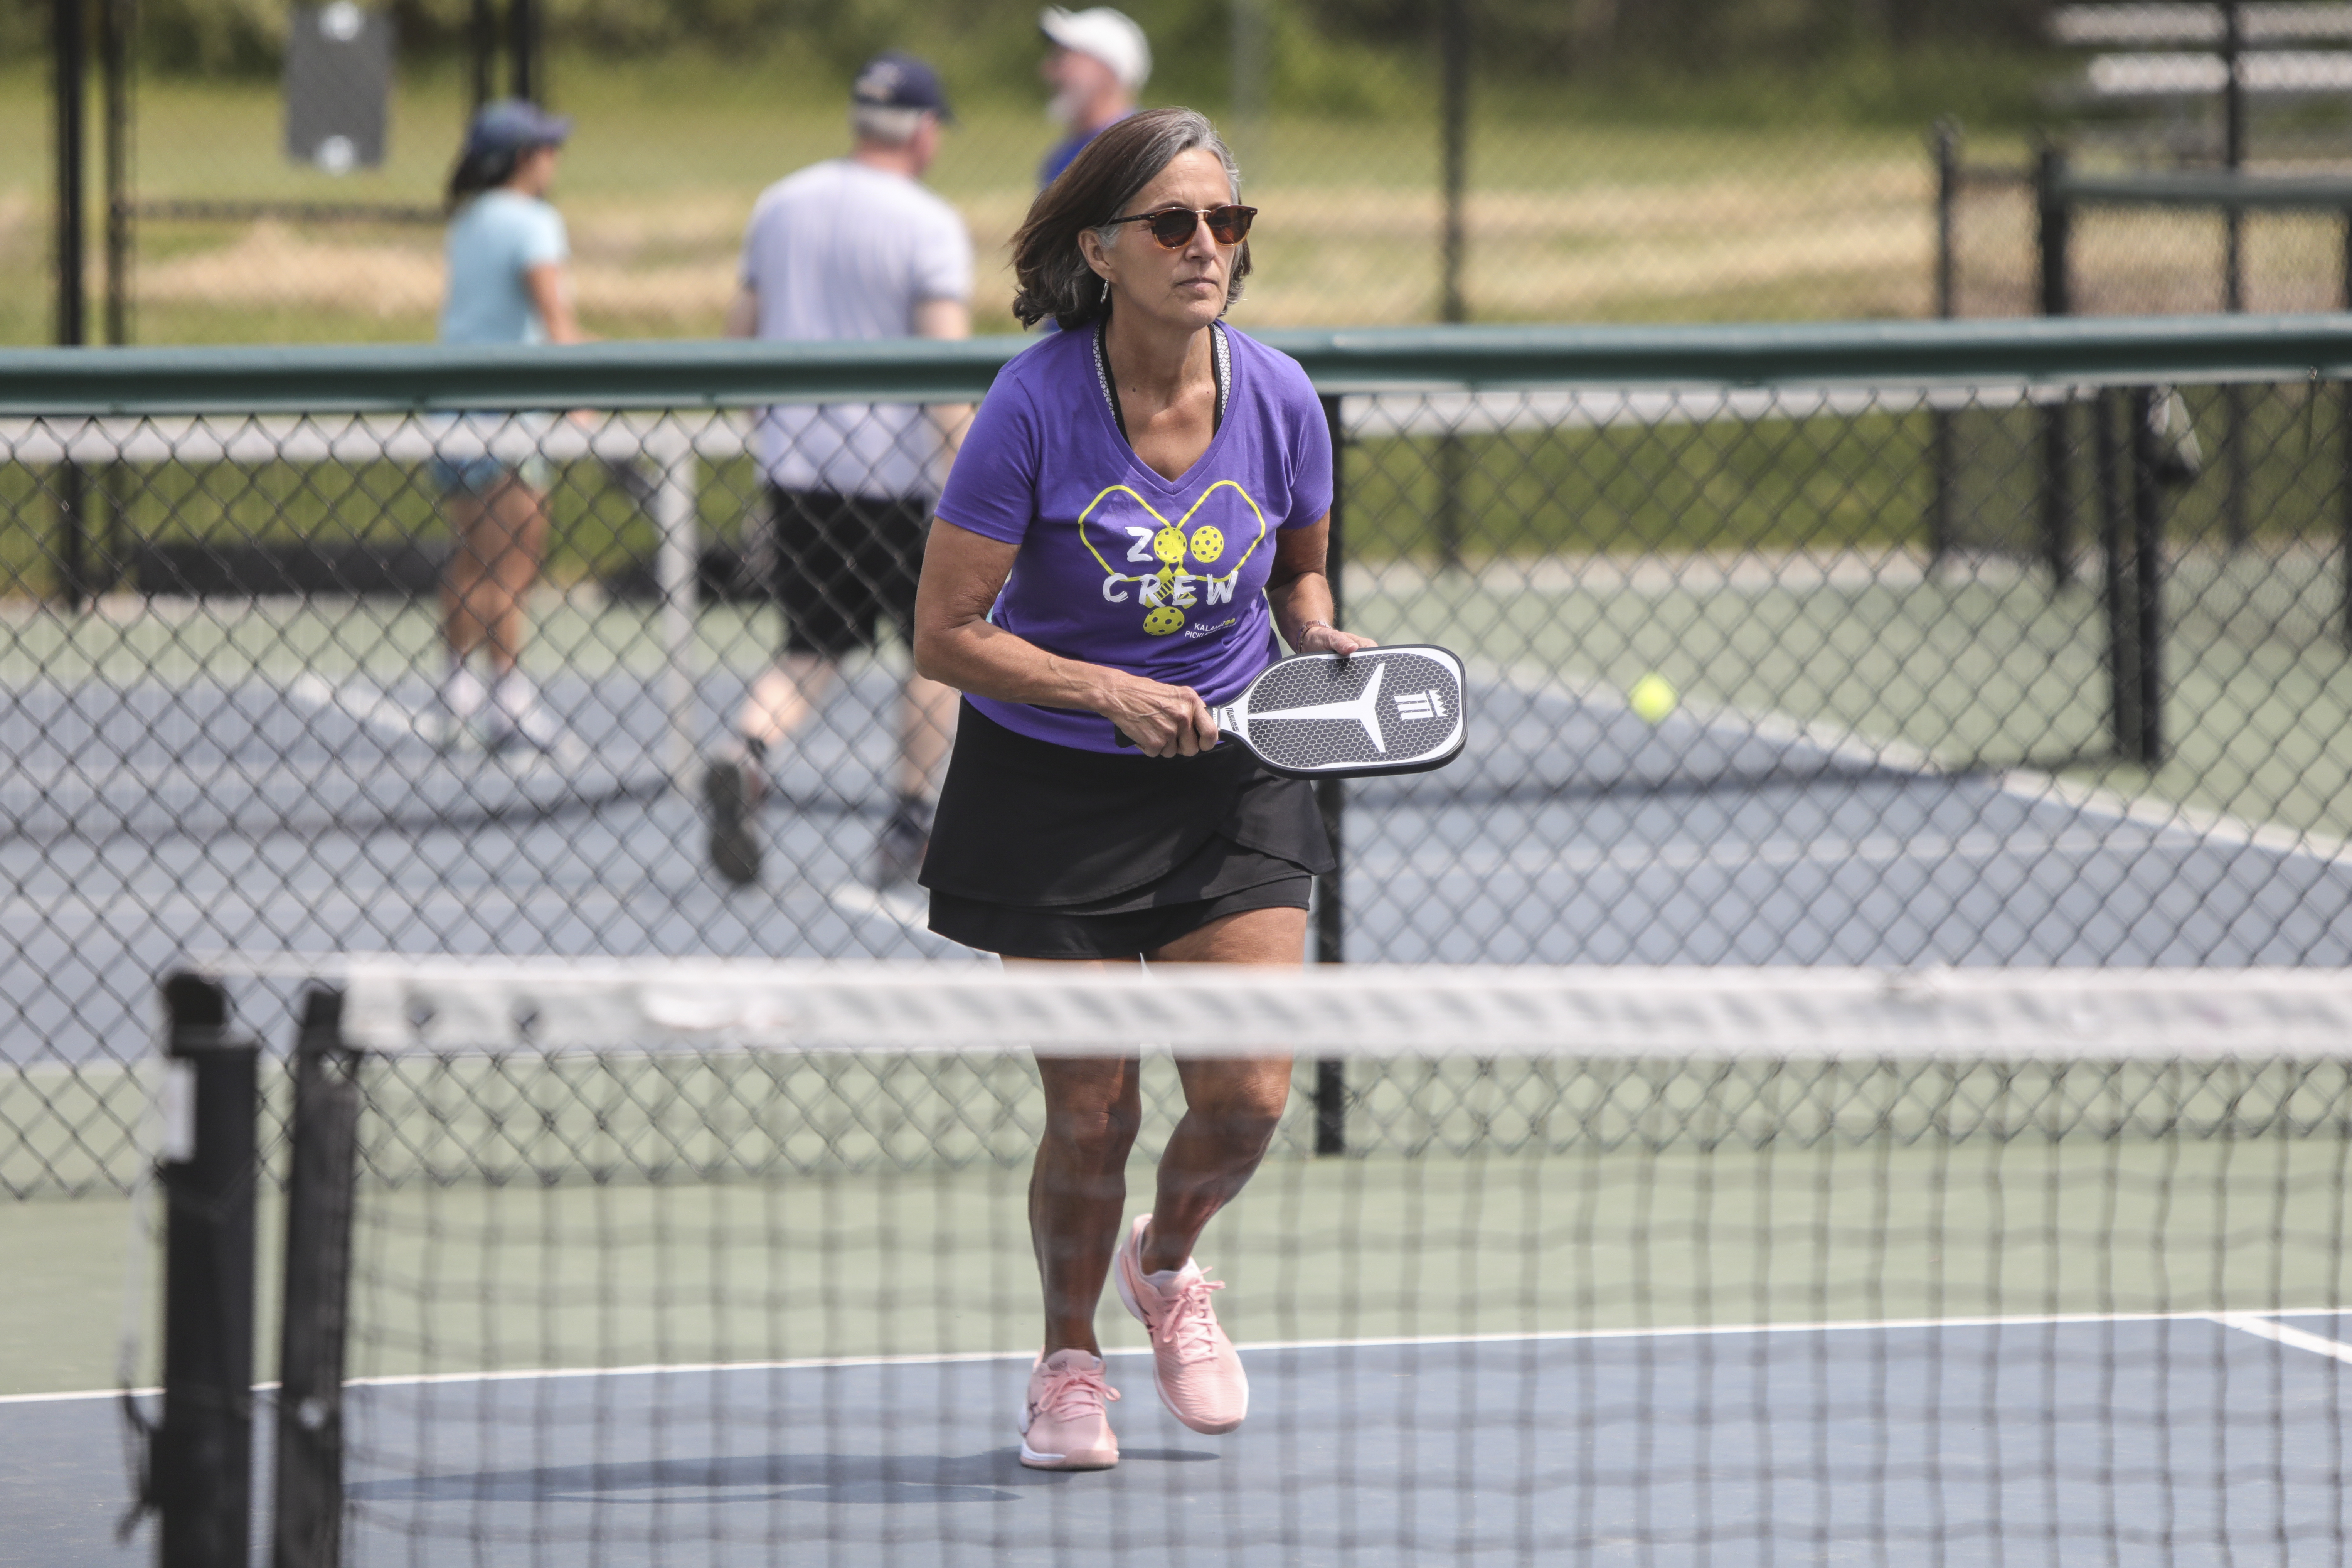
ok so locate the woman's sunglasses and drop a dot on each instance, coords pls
(1173, 227)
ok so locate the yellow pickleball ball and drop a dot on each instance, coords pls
(1162, 621)
(1652, 698)
(1208, 542)
(1168, 545)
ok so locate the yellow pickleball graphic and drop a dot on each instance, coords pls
(1208, 542)
(1162, 621)
(1168, 544)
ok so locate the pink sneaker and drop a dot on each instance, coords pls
(1196, 1369)
(1064, 1425)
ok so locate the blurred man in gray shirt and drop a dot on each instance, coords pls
(852, 248)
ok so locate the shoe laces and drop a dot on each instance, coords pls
(1187, 1324)
(1074, 1391)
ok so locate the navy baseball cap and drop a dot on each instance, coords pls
(511, 124)
(894, 81)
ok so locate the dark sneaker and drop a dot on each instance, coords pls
(732, 790)
(898, 852)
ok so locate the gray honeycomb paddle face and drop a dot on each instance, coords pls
(1383, 710)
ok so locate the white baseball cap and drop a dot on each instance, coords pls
(1109, 36)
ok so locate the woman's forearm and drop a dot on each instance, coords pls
(1300, 602)
(985, 660)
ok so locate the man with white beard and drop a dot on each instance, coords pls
(1099, 62)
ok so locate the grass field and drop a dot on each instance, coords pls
(1569, 219)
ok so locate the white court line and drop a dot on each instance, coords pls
(2262, 1328)
(2202, 824)
(1558, 1336)
(91, 1394)
(387, 715)
(373, 709)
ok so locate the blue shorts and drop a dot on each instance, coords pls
(480, 476)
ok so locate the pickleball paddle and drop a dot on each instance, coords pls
(1377, 710)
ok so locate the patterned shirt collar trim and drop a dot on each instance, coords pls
(1221, 360)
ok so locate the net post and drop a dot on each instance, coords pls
(2053, 238)
(321, 1174)
(203, 1445)
(2147, 572)
(1330, 797)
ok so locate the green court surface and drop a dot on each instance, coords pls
(1359, 1249)
(1602, 1234)
(1973, 665)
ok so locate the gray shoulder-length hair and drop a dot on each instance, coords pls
(1051, 276)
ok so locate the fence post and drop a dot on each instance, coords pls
(70, 46)
(1453, 53)
(525, 78)
(1945, 141)
(482, 34)
(2115, 578)
(115, 23)
(676, 563)
(1330, 797)
(2053, 236)
(203, 1447)
(321, 1168)
(2344, 458)
(2146, 580)
(2234, 273)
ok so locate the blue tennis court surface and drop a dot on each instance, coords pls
(1570, 832)
(2181, 1440)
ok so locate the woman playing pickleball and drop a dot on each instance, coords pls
(1141, 505)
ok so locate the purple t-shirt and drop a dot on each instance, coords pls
(1161, 578)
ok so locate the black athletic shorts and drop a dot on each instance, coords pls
(843, 563)
(1047, 851)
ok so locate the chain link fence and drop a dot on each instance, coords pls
(1765, 669)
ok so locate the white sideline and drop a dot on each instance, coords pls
(2262, 1328)
(2206, 825)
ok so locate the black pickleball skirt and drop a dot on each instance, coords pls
(1047, 851)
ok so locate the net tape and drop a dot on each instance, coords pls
(399, 1004)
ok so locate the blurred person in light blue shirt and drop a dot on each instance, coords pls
(508, 283)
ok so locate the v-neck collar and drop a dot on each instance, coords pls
(1221, 364)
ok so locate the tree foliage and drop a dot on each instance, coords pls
(1327, 51)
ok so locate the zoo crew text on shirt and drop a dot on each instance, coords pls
(1118, 565)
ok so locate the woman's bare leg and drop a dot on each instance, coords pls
(494, 559)
(1094, 1109)
(1231, 1105)
(1078, 1189)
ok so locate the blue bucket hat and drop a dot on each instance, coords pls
(512, 124)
